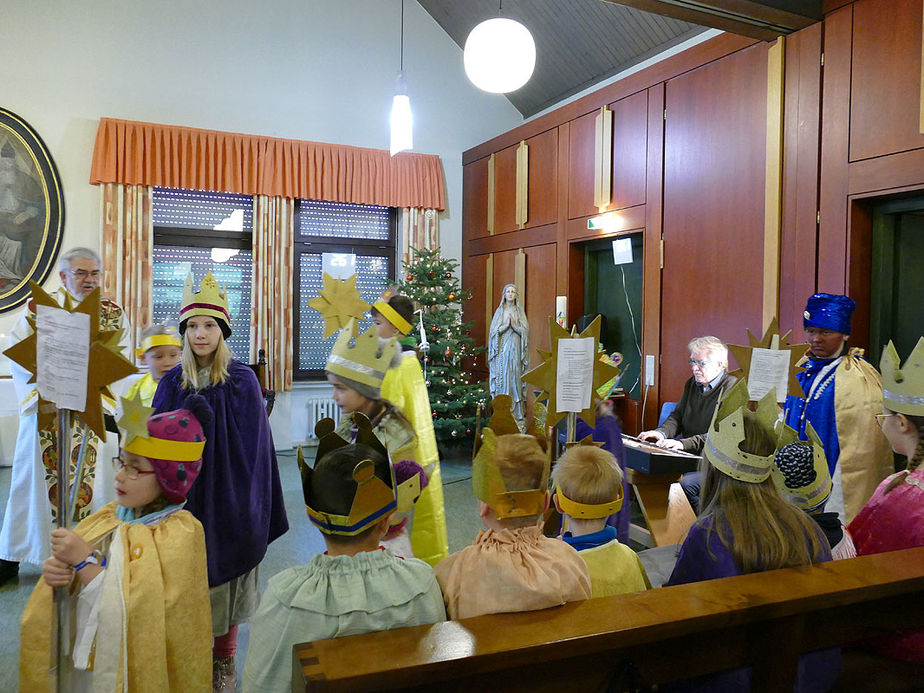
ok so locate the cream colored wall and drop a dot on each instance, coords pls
(303, 69)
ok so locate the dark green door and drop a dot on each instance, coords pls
(615, 291)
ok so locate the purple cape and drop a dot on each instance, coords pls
(237, 496)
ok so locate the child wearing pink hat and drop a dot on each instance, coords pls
(136, 571)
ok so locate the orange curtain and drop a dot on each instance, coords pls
(137, 153)
(128, 248)
(420, 228)
(273, 277)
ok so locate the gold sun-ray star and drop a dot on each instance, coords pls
(339, 301)
(544, 375)
(106, 365)
(771, 340)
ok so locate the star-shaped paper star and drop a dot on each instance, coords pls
(134, 419)
(771, 340)
(339, 301)
(106, 365)
(544, 375)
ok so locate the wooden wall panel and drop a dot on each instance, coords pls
(543, 177)
(714, 154)
(835, 114)
(581, 167)
(630, 124)
(473, 279)
(885, 85)
(540, 296)
(505, 190)
(475, 200)
(802, 113)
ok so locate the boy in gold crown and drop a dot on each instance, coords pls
(511, 566)
(160, 351)
(588, 489)
(356, 586)
(404, 387)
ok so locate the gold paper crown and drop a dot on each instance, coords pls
(487, 481)
(589, 511)
(365, 360)
(170, 338)
(390, 314)
(903, 386)
(139, 441)
(812, 494)
(373, 499)
(210, 301)
(726, 433)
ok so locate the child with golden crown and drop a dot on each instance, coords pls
(745, 526)
(893, 518)
(404, 387)
(137, 572)
(238, 497)
(589, 489)
(511, 566)
(160, 351)
(356, 586)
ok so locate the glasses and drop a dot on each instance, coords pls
(83, 274)
(701, 364)
(880, 418)
(130, 472)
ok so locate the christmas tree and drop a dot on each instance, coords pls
(454, 397)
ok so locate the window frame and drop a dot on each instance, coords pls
(358, 246)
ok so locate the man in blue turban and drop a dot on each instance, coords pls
(843, 394)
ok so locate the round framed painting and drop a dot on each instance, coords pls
(31, 210)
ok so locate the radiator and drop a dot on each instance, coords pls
(320, 408)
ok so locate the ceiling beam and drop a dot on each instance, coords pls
(760, 20)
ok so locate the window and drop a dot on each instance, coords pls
(351, 236)
(197, 231)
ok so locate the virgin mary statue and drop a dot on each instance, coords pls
(508, 350)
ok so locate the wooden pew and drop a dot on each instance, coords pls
(764, 619)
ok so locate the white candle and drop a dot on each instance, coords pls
(561, 311)
(423, 334)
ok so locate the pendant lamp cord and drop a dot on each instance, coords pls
(402, 36)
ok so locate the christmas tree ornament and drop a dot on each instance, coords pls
(452, 297)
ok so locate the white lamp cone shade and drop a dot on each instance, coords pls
(499, 55)
(402, 124)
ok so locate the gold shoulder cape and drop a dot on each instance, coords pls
(168, 633)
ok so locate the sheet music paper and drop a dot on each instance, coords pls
(574, 377)
(769, 368)
(62, 356)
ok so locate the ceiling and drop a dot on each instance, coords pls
(582, 42)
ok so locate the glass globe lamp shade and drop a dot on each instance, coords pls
(499, 55)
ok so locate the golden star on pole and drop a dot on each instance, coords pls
(105, 366)
(339, 301)
(134, 419)
(544, 376)
(771, 340)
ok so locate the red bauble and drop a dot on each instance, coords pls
(452, 297)
(434, 415)
(410, 277)
(449, 275)
(435, 328)
(431, 273)
(468, 431)
(447, 353)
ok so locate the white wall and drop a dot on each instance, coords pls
(321, 70)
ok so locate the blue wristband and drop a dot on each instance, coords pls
(95, 558)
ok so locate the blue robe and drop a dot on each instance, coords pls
(819, 410)
(237, 496)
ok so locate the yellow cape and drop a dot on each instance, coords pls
(146, 386)
(168, 618)
(405, 388)
(866, 456)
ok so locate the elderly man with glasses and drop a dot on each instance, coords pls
(685, 429)
(29, 516)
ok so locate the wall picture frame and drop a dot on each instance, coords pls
(31, 210)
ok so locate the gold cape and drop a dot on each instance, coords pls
(866, 456)
(405, 388)
(168, 618)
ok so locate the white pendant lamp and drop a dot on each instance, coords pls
(499, 55)
(402, 121)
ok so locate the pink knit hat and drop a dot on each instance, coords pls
(174, 446)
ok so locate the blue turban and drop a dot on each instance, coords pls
(829, 312)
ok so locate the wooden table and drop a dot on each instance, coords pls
(655, 474)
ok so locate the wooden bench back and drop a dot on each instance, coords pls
(765, 620)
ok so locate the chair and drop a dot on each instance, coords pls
(666, 409)
(259, 369)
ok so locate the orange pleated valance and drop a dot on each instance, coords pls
(136, 153)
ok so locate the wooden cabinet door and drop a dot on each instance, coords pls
(475, 200)
(542, 185)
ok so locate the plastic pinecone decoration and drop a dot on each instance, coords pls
(797, 463)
